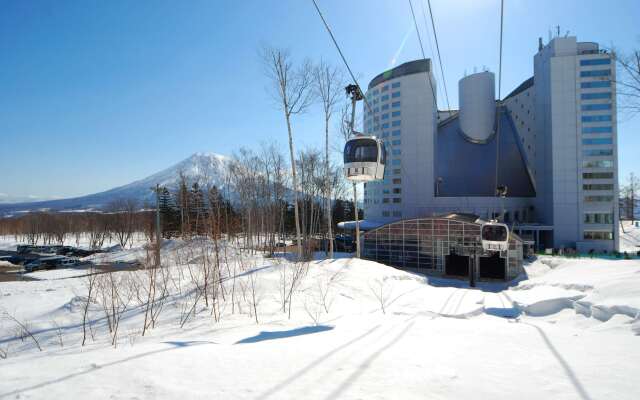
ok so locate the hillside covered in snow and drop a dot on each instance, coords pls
(349, 329)
(203, 167)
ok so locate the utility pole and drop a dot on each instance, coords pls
(158, 234)
(354, 92)
(502, 192)
(472, 266)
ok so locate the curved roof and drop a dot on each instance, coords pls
(408, 68)
(467, 169)
(463, 218)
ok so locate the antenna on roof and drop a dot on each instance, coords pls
(566, 34)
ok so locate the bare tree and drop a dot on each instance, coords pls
(123, 226)
(23, 328)
(291, 88)
(382, 289)
(628, 80)
(91, 285)
(630, 197)
(328, 86)
(255, 292)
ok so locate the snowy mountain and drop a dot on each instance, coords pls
(9, 199)
(206, 168)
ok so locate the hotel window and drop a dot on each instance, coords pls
(597, 164)
(596, 107)
(598, 235)
(385, 125)
(596, 72)
(596, 118)
(597, 186)
(395, 104)
(385, 116)
(395, 123)
(395, 114)
(385, 134)
(397, 171)
(595, 96)
(397, 213)
(396, 162)
(596, 129)
(597, 175)
(396, 142)
(397, 181)
(395, 85)
(595, 84)
(384, 98)
(596, 61)
(385, 107)
(385, 200)
(397, 200)
(397, 190)
(396, 152)
(385, 88)
(385, 213)
(395, 133)
(597, 141)
(395, 94)
(598, 199)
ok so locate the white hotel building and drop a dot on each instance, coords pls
(557, 148)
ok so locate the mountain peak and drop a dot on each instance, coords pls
(206, 168)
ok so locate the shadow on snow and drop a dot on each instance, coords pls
(271, 335)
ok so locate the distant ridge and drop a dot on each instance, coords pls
(199, 166)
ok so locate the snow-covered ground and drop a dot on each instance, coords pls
(569, 330)
(630, 236)
(8, 242)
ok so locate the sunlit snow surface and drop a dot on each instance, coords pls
(568, 330)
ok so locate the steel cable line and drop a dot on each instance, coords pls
(435, 101)
(499, 94)
(435, 35)
(335, 42)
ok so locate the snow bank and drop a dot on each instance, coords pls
(355, 326)
(592, 287)
(629, 237)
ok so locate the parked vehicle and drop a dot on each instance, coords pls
(12, 259)
(44, 263)
(67, 262)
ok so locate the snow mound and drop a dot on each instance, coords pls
(594, 288)
(76, 304)
(629, 237)
(635, 326)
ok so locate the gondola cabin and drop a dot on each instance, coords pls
(495, 236)
(364, 159)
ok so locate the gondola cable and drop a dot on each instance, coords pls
(424, 57)
(335, 42)
(435, 35)
(494, 234)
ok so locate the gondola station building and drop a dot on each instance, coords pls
(552, 142)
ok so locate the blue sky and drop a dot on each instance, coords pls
(96, 94)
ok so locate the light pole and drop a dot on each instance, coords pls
(158, 234)
(354, 92)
